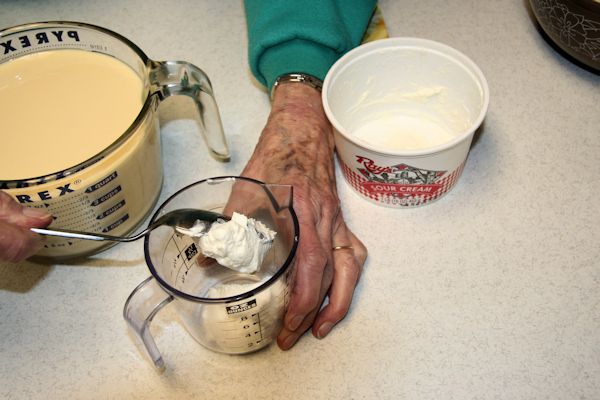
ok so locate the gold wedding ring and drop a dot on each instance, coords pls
(341, 247)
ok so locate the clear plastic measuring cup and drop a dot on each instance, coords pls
(224, 310)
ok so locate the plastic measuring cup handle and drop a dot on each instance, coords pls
(143, 304)
(182, 78)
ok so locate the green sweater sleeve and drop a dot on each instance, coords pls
(305, 36)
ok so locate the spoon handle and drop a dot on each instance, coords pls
(83, 235)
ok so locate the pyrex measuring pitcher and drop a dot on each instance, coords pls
(113, 186)
(223, 309)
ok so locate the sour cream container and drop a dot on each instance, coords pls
(404, 112)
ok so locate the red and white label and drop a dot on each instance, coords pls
(400, 184)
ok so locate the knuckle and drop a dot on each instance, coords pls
(308, 298)
(6, 203)
(305, 301)
(338, 311)
(361, 253)
(330, 204)
(314, 261)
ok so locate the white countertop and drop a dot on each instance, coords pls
(493, 292)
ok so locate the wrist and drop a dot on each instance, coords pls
(301, 78)
(297, 98)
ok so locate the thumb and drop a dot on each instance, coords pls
(17, 243)
(13, 213)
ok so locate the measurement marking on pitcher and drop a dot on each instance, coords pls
(250, 325)
(259, 328)
(184, 256)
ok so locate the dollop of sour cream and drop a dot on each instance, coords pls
(239, 244)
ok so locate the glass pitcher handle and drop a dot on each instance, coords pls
(143, 304)
(182, 78)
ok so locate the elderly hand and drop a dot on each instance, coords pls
(296, 147)
(17, 242)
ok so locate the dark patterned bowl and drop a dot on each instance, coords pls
(574, 26)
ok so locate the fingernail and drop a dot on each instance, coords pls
(324, 330)
(288, 341)
(294, 322)
(34, 213)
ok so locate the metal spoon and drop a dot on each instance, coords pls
(181, 220)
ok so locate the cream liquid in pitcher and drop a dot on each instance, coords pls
(60, 108)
